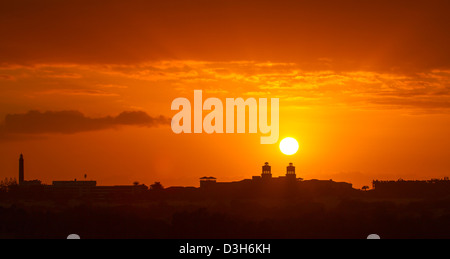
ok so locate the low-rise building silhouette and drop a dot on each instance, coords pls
(262, 186)
(414, 188)
(206, 182)
(267, 185)
(74, 188)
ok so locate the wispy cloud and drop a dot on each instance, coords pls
(6, 77)
(362, 89)
(78, 92)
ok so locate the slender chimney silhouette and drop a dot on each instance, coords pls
(21, 170)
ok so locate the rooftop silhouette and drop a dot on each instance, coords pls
(262, 207)
(264, 185)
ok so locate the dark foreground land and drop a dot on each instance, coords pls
(281, 218)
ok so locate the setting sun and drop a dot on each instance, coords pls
(289, 146)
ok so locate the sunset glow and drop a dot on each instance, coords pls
(289, 146)
(366, 91)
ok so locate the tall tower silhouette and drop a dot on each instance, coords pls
(266, 171)
(290, 172)
(21, 170)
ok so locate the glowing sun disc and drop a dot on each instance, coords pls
(289, 146)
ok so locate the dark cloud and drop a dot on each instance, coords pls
(70, 122)
(6, 77)
(350, 34)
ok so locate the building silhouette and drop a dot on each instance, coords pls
(22, 181)
(266, 172)
(413, 188)
(73, 188)
(290, 172)
(206, 182)
(266, 185)
(267, 175)
(262, 186)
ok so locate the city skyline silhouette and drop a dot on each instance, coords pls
(264, 207)
(278, 119)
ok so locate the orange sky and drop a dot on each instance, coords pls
(363, 85)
